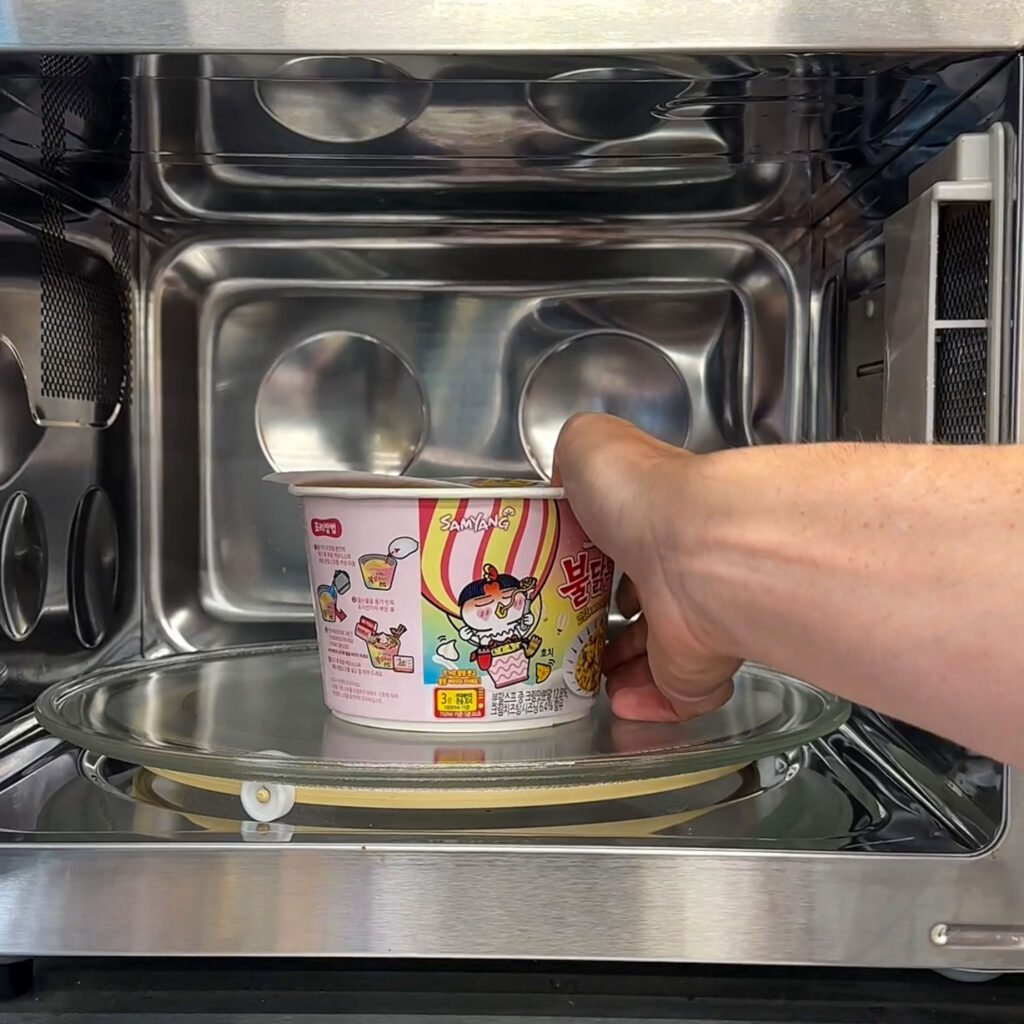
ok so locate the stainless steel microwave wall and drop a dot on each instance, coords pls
(216, 264)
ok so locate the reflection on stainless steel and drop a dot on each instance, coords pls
(64, 465)
(30, 771)
(462, 323)
(93, 567)
(746, 807)
(489, 238)
(602, 103)
(737, 138)
(260, 716)
(23, 565)
(502, 135)
(850, 780)
(340, 401)
(715, 890)
(19, 432)
(734, 806)
(16, 732)
(693, 905)
(46, 317)
(892, 757)
(341, 99)
(781, 799)
(605, 371)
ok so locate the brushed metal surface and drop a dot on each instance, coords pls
(602, 902)
(101, 864)
(318, 26)
(66, 460)
(492, 340)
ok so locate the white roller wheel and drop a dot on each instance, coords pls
(267, 801)
(773, 770)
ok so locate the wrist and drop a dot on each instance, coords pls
(703, 505)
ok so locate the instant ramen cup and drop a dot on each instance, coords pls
(470, 607)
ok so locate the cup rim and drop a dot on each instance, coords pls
(541, 492)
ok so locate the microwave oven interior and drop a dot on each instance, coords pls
(215, 266)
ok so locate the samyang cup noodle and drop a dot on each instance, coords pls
(460, 606)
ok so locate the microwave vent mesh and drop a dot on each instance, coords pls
(86, 303)
(963, 261)
(961, 385)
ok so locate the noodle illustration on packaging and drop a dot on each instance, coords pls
(378, 571)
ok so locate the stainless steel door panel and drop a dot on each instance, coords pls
(465, 900)
(467, 26)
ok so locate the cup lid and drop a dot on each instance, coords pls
(343, 484)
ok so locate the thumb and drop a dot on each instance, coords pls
(693, 682)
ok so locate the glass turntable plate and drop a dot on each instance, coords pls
(259, 715)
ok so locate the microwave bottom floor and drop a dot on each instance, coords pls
(717, 865)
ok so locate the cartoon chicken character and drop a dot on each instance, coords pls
(498, 622)
(497, 612)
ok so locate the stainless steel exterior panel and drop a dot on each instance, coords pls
(471, 26)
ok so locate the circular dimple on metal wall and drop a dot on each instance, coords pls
(93, 567)
(602, 371)
(341, 401)
(23, 565)
(600, 104)
(342, 99)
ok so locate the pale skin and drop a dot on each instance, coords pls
(890, 574)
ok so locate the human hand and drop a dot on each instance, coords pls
(629, 492)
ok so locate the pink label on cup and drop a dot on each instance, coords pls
(432, 612)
